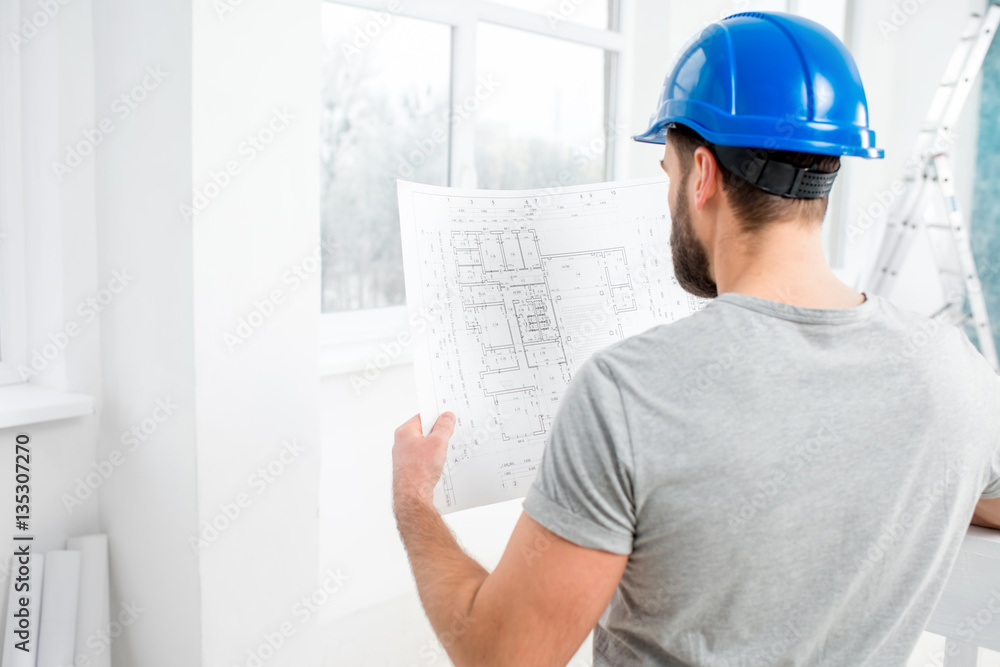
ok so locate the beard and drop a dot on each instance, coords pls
(690, 258)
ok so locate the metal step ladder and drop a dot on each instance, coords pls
(928, 171)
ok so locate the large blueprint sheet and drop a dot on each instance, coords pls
(509, 292)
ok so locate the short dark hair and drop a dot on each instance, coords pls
(755, 208)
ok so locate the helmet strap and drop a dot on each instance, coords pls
(772, 176)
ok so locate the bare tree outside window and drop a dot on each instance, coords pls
(386, 96)
(544, 127)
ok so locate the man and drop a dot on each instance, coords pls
(784, 477)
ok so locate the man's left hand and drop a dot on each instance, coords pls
(417, 461)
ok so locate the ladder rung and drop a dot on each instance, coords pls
(944, 309)
(940, 311)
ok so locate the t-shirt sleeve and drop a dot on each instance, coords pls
(583, 490)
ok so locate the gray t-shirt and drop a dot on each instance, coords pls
(792, 485)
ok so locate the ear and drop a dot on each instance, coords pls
(707, 173)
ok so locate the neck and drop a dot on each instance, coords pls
(784, 262)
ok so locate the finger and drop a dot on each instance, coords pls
(411, 425)
(444, 426)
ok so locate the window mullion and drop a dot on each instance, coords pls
(463, 102)
(543, 24)
(619, 92)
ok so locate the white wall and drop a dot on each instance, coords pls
(901, 69)
(217, 469)
(59, 275)
(148, 507)
(256, 73)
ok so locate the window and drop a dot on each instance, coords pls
(593, 13)
(435, 92)
(12, 282)
(560, 131)
(984, 230)
(384, 115)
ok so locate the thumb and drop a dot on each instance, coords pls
(444, 426)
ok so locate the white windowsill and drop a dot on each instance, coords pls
(356, 341)
(973, 585)
(983, 542)
(22, 404)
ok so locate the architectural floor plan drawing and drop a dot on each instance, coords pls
(508, 293)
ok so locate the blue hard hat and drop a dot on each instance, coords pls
(767, 80)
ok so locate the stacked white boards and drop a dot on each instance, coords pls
(57, 607)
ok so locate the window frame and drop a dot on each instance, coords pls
(13, 286)
(354, 340)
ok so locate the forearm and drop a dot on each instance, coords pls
(987, 514)
(447, 578)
